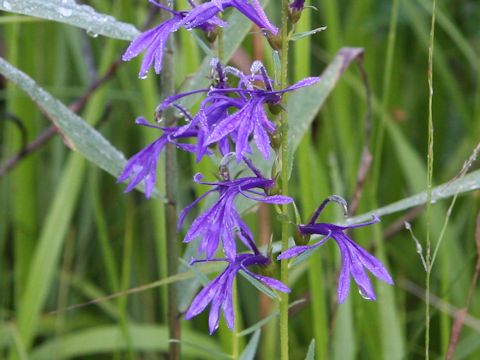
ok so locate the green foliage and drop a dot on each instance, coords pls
(63, 243)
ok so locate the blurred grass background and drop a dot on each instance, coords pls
(68, 235)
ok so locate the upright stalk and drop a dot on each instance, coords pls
(167, 88)
(235, 338)
(429, 181)
(284, 185)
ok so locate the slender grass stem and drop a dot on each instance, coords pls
(236, 329)
(284, 183)
(167, 89)
(387, 79)
(220, 44)
(429, 181)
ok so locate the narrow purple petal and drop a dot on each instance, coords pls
(344, 279)
(255, 13)
(294, 251)
(356, 269)
(271, 282)
(370, 262)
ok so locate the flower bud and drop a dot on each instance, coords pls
(295, 10)
(275, 41)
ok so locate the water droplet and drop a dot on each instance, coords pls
(7, 5)
(364, 295)
(143, 77)
(92, 33)
(65, 12)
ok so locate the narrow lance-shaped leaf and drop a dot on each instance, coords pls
(71, 13)
(106, 340)
(77, 133)
(462, 185)
(251, 349)
(311, 351)
(304, 104)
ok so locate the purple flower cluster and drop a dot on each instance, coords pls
(233, 115)
(203, 17)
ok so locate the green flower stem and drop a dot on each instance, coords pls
(167, 89)
(284, 184)
(236, 329)
(429, 182)
(220, 45)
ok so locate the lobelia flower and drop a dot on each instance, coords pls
(219, 292)
(143, 165)
(250, 8)
(203, 17)
(355, 259)
(216, 122)
(251, 117)
(212, 110)
(221, 222)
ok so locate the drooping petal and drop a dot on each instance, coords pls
(271, 282)
(219, 293)
(370, 262)
(143, 166)
(200, 14)
(254, 11)
(154, 41)
(358, 272)
(344, 278)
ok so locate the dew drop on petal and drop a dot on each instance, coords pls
(364, 295)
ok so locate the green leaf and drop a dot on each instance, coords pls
(465, 184)
(311, 351)
(301, 35)
(304, 104)
(108, 339)
(68, 12)
(267, 319)
(251, 349)
(77, 133)
(260, 286)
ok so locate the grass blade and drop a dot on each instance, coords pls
(68, 12)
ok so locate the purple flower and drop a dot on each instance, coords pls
(154, 41)
(251, 117)
(219, 292)
(237, 113)
(250, 8)
(203, 17)
(221, 222)
(143, 165)
(354, 258)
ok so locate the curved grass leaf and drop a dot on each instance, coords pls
(108, 339)
(304, 104)
(301, 35)
(77, 133)
(468, 183)
(267, 319)
(311, 351)
(71, 13)
(260, 286)
(213, 353)
(251, 349)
